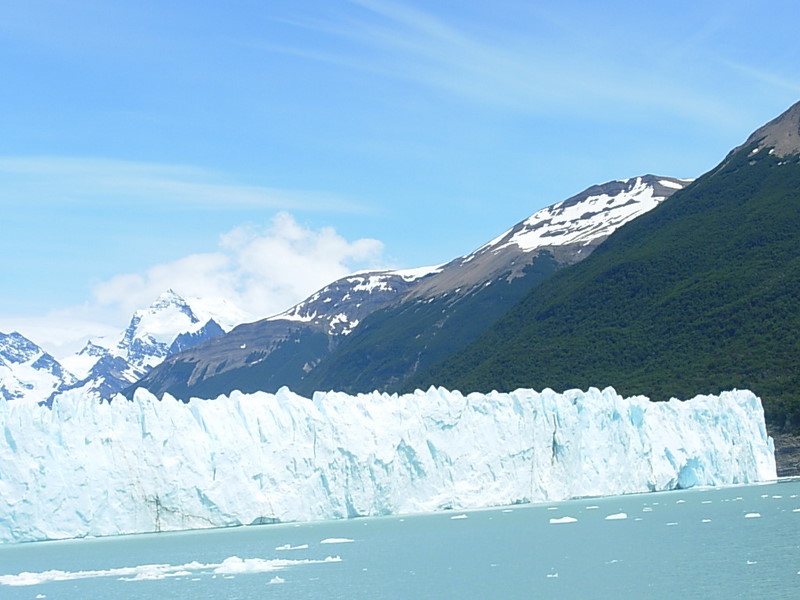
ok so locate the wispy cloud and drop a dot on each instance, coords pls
(564, 69)
(768, 77)
(87, 180)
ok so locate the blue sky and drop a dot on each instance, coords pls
(261, 149)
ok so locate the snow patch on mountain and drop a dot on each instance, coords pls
(87, 468)
(585, 218)
(675, 184)
(339, 307)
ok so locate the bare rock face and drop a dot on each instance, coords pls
(787, 453)
(781, 135)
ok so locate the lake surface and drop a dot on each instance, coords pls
(737, 542)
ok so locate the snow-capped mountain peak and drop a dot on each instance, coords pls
(169, 315)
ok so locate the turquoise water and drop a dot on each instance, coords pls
(739, 542)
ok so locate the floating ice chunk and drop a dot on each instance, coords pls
(562, 520)
(617, 517)
(277, 579)
(458, 517)
(234, 565)
(796, 510)
(336, 541)
(752, 515)
(680, 502)
(706, 521)
(647, 509)
(290, 547)
(153, 572)
(671, 524)
(592, 507)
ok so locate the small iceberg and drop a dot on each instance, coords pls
(561, 520)
(617, 517)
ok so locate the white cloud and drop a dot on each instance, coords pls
(64, 331)
(263, 270)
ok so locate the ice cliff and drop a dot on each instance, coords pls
(86, 468)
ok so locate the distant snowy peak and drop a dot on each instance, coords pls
(587, 217)
(172, 323)
(172, 315)
(27, 372)
(339, 307)
(165, 318)
(16, 348)
(81, 363)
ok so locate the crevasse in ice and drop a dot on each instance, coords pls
(83, 468)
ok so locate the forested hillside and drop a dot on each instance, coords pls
(698, 295)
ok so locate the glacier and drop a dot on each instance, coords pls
(83, 468)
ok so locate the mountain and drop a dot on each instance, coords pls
(89, 469)
(170, 325)
(281, 349)
(443, 313)
(27, 372)
(372, 330)
(698, 295)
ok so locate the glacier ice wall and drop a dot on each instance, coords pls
(83, 468)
